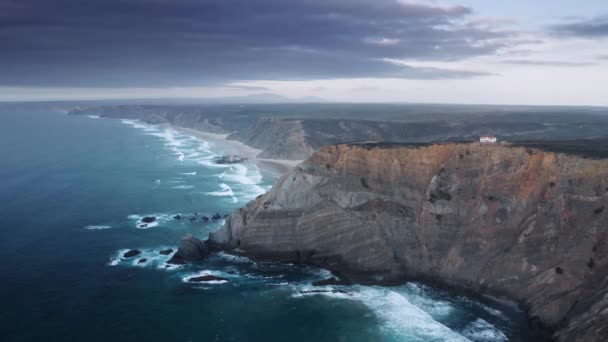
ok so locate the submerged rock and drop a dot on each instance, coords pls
(131, 253)
(205, 278)
(190, 249)
(205, 218)
(177, 217)
(148, 219)
(166, 251)
(142, 260)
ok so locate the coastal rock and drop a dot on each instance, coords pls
(142, 260)
(177, 217)
(166, 251)
(331, 281)
(216, 216)
(131, 253)
(507, 220)
(205, 218)
(190, 249)
(229, 159)
(206, 278)
(148, 219)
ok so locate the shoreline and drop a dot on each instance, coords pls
(277, 166)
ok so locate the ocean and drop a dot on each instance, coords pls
(73, 191)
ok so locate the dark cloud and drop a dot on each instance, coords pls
(602, 57)
(547, 63)
(587, 28)
(159, 43)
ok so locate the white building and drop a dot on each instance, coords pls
(487, 139)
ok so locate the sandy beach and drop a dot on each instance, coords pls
(279, 166)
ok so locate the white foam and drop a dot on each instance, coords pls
(243, 179)
(249, 178)
(492, 311)
(186, 278)
(435, 307)
(234, 258)
(400, 319)
(138, 124)
(93, 116)
(225, 191)
(117, 257)
(160, 219)
(188, 173)
(94, 227)
(183, 187)
(152, 255)
(278, 284)
(482, 331)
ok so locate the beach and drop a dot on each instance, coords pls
(277, 166)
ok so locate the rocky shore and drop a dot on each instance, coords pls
(505, 220)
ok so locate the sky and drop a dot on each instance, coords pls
(462, 51)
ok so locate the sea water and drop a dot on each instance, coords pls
(73, 191)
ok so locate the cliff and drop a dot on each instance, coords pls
(508, 220)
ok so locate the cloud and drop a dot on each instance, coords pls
(547, 63)
(602, 57)
(426, 71)
(165, 43)
(585, 28)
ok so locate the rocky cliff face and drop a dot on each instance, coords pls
(515, 221)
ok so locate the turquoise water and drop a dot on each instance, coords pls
(73, 190)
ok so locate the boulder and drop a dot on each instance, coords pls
(205, 278)
(131, 253)
(190, 249)
(205, 218)
(229, 159)
(142, 260)
(148, 219)
(216, 216)
(177, 217)
(166, 251)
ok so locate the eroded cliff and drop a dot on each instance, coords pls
(516, 221)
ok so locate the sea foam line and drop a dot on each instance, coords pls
(244, 179)
(97, 227)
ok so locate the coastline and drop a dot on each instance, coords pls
(277, 166)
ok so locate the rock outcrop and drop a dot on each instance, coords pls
(190, 249)
(508, 220)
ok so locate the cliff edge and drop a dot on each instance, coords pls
(510, 220)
